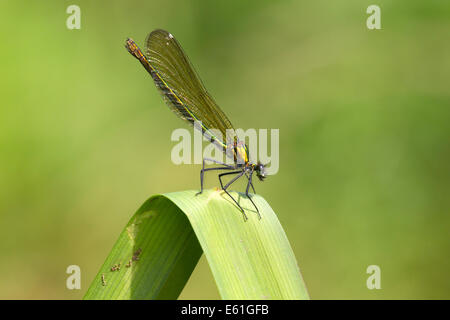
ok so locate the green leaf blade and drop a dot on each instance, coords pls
(249, 259)
(169, 252)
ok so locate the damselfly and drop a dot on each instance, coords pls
(185, 94)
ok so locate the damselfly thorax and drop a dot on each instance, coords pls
(238, 151)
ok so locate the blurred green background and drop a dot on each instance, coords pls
(364, 119)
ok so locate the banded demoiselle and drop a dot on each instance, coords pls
(184, 93)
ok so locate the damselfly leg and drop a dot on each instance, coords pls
(250, 182)
(225, 167)
(239, 173)
(249, 177)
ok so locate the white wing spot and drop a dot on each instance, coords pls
(170, 36)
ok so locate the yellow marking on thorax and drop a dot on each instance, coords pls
(241, 153)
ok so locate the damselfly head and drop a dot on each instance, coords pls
(261, 171)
